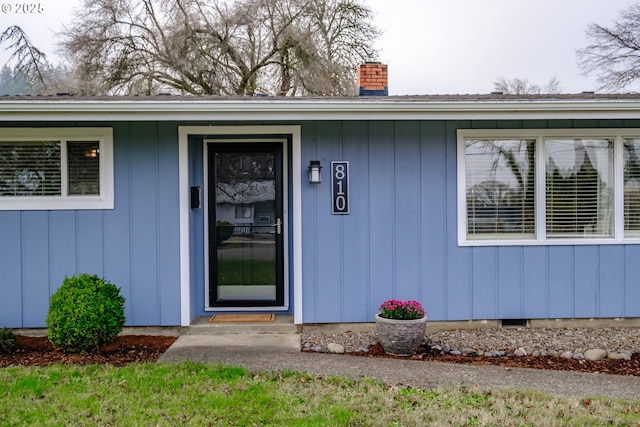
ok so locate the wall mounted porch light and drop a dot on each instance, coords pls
(314, 172)
(92, 152)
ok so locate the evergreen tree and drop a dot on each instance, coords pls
(13, 82)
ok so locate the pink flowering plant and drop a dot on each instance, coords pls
(401, 310)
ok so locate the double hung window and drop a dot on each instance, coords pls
(548, 186)
(56, 168)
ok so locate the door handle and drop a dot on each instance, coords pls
(278, 226)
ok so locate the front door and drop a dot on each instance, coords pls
(246, 224)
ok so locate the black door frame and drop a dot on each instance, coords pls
(249, 145)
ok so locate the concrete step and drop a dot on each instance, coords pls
(283, 324)
(204, 347)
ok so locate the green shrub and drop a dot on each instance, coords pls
(224, 230)
(7, 340)
(85, 313)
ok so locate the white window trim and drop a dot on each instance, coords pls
(539, 135)
(66, 202)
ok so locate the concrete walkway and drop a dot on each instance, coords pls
(276, 352)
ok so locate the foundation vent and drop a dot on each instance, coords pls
(514, 323)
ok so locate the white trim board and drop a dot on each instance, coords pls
(295, 257)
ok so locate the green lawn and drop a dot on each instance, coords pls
(236, 272)
(190, 394)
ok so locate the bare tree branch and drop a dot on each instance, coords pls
(241, 47)
(518, 86)
(613, 54)
(30, 61)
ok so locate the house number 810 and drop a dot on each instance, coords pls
(340, 187)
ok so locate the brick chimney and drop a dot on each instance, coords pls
(372, 79)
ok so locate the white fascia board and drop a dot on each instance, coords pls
(316, 109)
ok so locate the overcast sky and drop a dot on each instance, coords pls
(462, 46)
(436, 46)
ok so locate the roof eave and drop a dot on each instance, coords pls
(315, 109)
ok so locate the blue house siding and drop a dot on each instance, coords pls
(35, 250)
(611, 291)
(400, 239)
(433, 210)
(354, 227)
(534, 282)
(631, 281)
(135, 245)
(381, 206)
(310, 228)
(196, 232)
(329, 232)
(11, 259)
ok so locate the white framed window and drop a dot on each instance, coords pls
(243, 211)
(56, 168)
(548, 186)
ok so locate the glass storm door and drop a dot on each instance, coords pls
(245, 225)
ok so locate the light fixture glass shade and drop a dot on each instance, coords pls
(315, 177)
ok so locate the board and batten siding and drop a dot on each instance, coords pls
(400, 238)
(135, 246)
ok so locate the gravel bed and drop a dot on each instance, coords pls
(553, 342)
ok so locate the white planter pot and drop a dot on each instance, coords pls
(400, 337)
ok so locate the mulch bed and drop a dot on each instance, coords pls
(126, 349)
(617, 367)
(38, 351)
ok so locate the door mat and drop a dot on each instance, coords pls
(242, 318)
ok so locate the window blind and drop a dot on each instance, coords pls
(579, 187)
(30, 168)
(500, 187)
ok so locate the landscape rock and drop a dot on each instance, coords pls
(624, 342)
(614, 355)
(335, 348)
(595, 354)
(627, 354)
